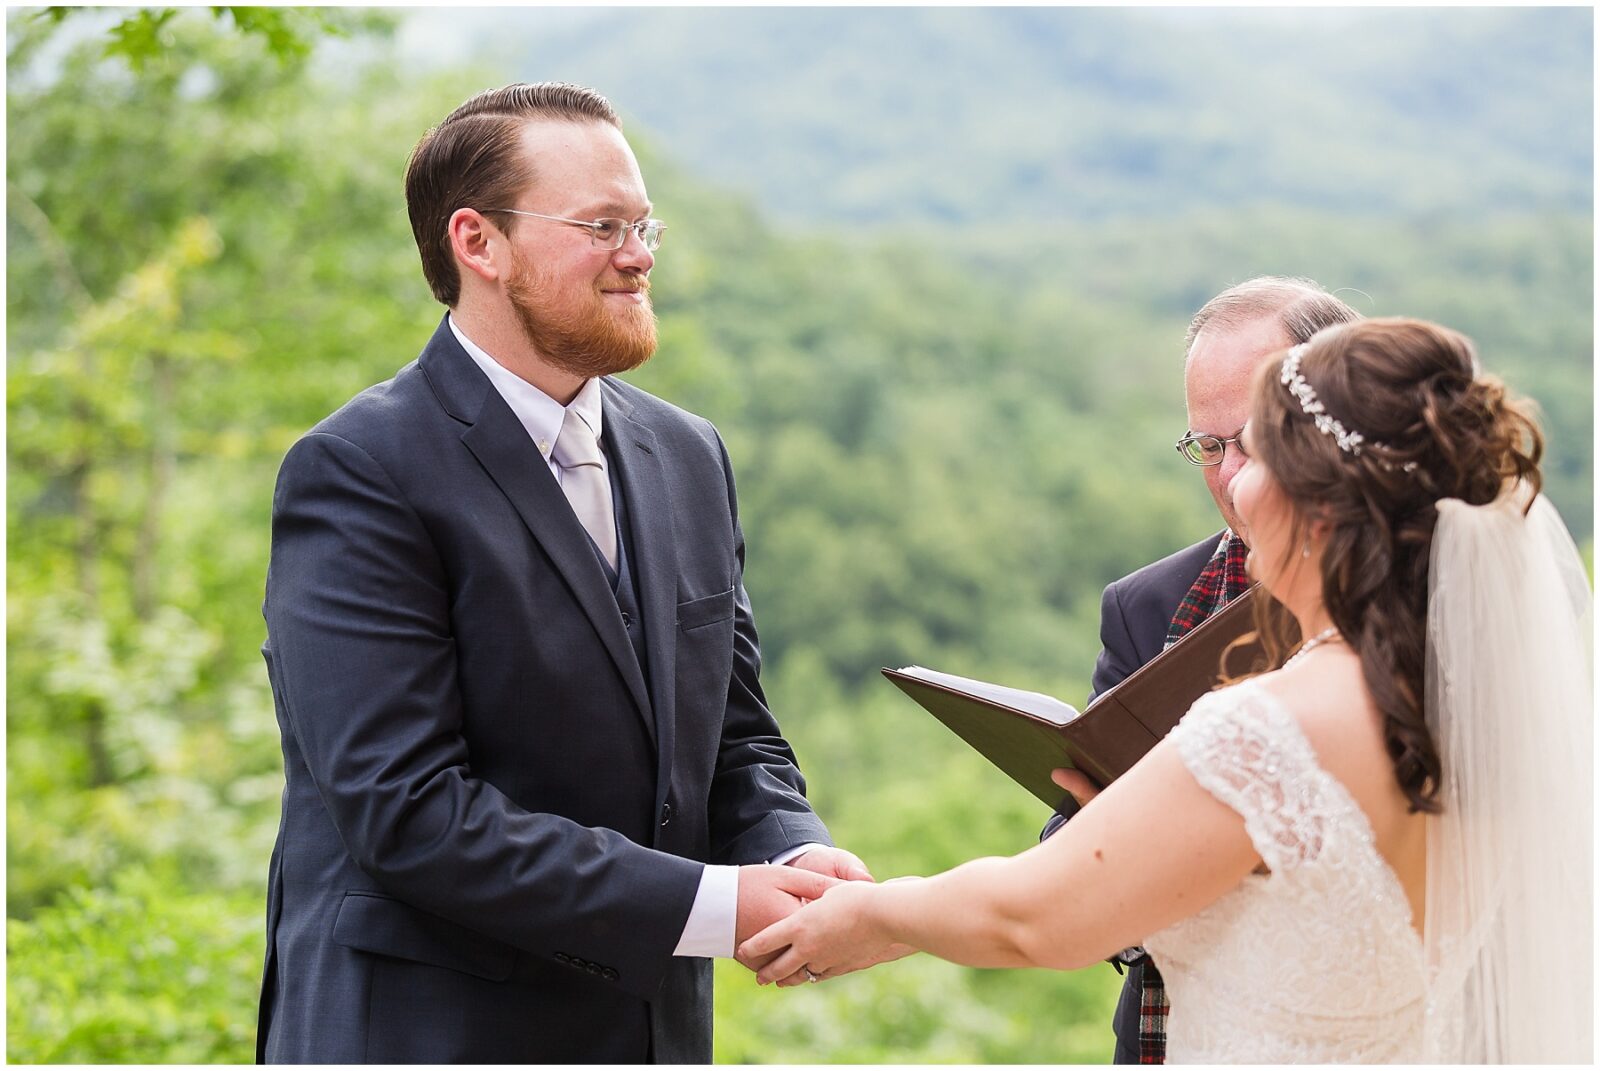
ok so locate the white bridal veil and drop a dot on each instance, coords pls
(1509, 697)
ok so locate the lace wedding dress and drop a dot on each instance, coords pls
(1316, 962)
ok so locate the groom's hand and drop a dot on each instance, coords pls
(769, 893)
(832, 862)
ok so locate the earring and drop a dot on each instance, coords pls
(1305, 551)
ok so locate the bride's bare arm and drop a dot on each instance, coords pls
(1152, 849)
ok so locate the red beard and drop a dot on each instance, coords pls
(589, 339)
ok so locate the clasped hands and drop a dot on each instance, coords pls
(770, 894)
(830, 919)
(829, 936)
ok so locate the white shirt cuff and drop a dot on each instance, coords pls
(714, 917)
(789, 855)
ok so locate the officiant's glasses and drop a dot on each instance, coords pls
(606, 233)
(1204, 450)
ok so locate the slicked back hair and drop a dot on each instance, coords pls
(474, 159)
(1302, 307)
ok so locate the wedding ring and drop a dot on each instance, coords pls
(810, 976)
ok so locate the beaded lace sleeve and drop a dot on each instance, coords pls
(1247, 751)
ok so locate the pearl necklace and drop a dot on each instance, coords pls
(1327, 634)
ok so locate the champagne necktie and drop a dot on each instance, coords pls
(584, 482)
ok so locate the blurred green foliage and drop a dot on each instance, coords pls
(143, 37)
(146, 968)
(947, 440)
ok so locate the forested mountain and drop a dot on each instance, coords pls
(836, 117)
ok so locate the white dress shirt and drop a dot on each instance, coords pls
(714, 916)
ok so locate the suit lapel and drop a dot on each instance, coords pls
(501, 445)
(634, 452)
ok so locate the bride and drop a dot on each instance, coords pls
(1381, 850)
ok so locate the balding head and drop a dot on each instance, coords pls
(1227, 341)
(1301, 308)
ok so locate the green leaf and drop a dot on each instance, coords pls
(141, 37)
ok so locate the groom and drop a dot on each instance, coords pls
(512, 658)
(1144, 613)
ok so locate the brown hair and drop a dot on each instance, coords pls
(1302, 306)
(474, 160)
(1435, 428)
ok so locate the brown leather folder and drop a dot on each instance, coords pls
(1116, 730)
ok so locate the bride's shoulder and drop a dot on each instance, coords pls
(1326, 699)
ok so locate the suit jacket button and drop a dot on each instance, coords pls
(592, 968)
(610, 975)
(666, 813)
(562, 957)
(627, 619)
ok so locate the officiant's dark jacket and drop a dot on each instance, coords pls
(1135, 613)
(504, 764)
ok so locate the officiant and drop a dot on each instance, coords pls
(1152, 608)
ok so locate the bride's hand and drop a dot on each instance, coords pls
(830, 936)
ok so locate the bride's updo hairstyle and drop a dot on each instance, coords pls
(1405, 419)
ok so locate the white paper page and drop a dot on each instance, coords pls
(1038, 704)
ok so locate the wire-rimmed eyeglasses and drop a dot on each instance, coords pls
(1204, 450)
(607, 233)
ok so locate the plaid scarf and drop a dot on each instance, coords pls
(1219, 583)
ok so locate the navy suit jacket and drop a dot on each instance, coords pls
(494, 820)
(1135, 613)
